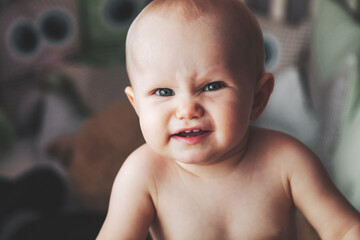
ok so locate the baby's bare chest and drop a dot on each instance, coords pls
(250, 208)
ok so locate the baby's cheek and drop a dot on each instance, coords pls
(235, 125)
(152, 131)
(147, 131)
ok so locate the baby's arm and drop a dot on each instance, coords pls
(318, 199)
(131, 209)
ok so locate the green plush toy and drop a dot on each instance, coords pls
(347, 154)
(336, 93)
(104, 25)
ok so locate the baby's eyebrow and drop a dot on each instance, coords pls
(218, 72)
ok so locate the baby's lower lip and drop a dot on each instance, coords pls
(191, 138)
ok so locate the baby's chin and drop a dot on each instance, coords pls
(196, 158)
(202, 154)
(183, 157)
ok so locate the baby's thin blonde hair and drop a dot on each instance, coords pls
(231, 17)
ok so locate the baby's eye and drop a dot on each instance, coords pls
(164, 92)
(214, 86)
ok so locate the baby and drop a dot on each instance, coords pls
(197, 80)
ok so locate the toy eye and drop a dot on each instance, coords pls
(24, 39)
(56, 26)
(214, 86)
(164, 92)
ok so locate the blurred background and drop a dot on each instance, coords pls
(66, 126)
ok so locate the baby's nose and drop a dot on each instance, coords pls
(189, 110)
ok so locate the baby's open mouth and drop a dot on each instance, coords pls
(191, 133)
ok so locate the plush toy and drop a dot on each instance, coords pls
(36, 37)
(95, 154)
(335, 90)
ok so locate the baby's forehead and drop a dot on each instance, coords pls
(231, 22)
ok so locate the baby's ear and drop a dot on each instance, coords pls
(263, 91)
(130, 95)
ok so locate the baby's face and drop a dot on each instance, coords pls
(193, 103)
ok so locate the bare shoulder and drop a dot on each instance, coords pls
(140, 159)
(282, 147)
(141, 163)
(293, 159)
(143, 166)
